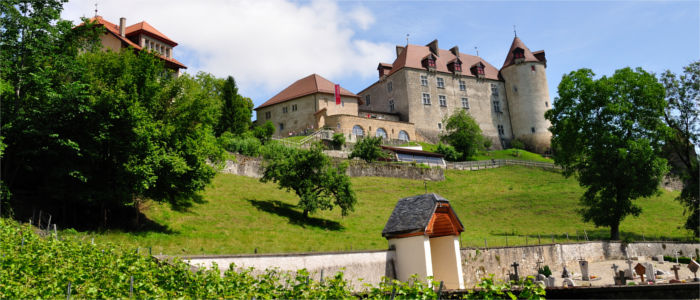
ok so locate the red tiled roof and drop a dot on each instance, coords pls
(517, 43)
(413, 55)
(114, 30)
(148, 29)
(308, 85)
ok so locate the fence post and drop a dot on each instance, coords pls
(131, 286)
(585, 234)
(539, 240)
(486, 246)
(68, 290)
(506, 244)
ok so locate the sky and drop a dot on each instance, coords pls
(266, 45)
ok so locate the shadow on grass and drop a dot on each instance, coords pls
(184, 203)
(295, 217)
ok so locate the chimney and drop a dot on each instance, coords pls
(434, 47)
(122, 26)
(399, 50)
(455, 51)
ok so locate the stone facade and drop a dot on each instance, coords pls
(345, 124)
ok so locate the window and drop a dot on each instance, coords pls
(337, 125)
(532, 129)
(494, 90)
(515, 89)
(424, 80)
(501, 131)
(546, 104)
(403, 136)
(443, 100)
(532, 68)
(389, 86)
(439, 126)
(281, 126)
(465, 103)
(391, 105)
(285, 109)
(462, 85)
(268, 115)
(440, 83)
(367, 100)
(426, 99)
(381, 133)
(358, 131)
(518, 53)
(497, 106)
(294, 107)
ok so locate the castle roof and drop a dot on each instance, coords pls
(412, 56)
(429, 214)
(143, 27)
(113, 29)
(529, 56)
(308, 85)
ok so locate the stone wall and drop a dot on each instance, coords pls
(476, 263)
(252, 167)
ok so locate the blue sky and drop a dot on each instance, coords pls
(266, 45)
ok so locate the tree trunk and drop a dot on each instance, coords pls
(615, 231)
(306, 214)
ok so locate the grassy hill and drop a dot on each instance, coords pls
(241, 214)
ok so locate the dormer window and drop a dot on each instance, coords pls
(478, 70)
(429, 62)
(455, 66)
(519, 55)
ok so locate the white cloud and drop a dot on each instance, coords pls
(263, 44)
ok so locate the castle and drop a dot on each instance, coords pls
(418, 91)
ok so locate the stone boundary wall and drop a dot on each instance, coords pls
(370, 266)
(252, 167)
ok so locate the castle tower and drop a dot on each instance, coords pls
(524, 74)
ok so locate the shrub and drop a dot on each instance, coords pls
(544, 271)
(264, 132)
(249, 146)
(449, 152)
(338, 140)
(517, 144)
(487, 143)
(368, 149)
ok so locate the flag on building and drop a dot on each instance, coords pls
(337, 94)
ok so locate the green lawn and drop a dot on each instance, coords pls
(487, 155)
(242, 214)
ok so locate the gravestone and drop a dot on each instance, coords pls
(565, 273)
(693, 267)
(660, 259)
(515, 276)
(640, 270)
(614, 267)
(675, 270)
(584, 269)
(650, 272)
(550, 281)
(541, 283)
(541, 277)
(567, 282)
(629, 273)
(620, 278)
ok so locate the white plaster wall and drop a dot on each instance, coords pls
(412, 257)
(447, 261)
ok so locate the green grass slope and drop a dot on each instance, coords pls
(242, 214)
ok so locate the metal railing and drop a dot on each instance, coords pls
(321, 134)
(496, 163)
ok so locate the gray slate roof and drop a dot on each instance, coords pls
(412, 214)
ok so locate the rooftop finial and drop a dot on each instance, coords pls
(515, 32)
(407, 35)
(95, 8)
(477, 50)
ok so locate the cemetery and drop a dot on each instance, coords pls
(423, 239)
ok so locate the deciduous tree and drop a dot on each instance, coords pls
(682, 115)
(311, 176)
(608, 133)
(368, 148)
(464, 134)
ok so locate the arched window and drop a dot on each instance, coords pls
(403, 136)
(358, 131)
(381, 133)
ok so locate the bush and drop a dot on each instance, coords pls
(249, 146)
(489, 289)
(368, 149)
(338, 140)
(264, 132)
(544, 271)
(487, 143)
(517, 144)
(449, 152)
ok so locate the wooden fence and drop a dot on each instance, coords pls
(496, 163)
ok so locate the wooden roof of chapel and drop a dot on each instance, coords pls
(427, 214)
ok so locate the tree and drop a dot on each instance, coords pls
(368, 148)
(682, 116)
(310, 175)
(448, 151)
(264, 132)
(608, 133)
(236, 111)
(464, 134)
(338, 140)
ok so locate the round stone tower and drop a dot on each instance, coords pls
(524, 74)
